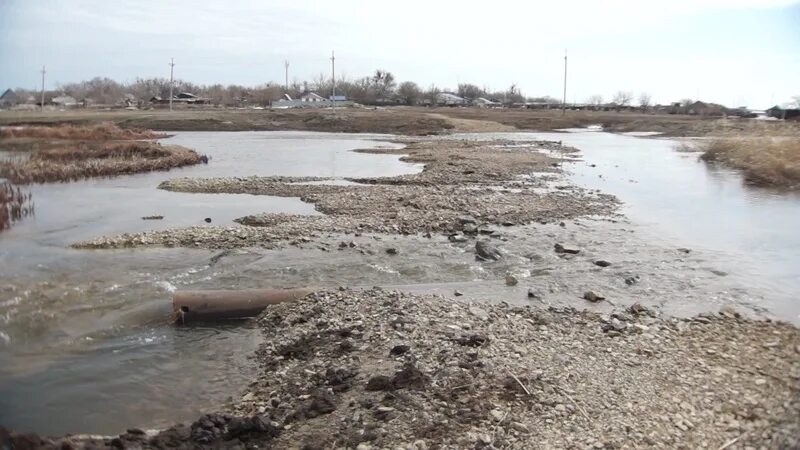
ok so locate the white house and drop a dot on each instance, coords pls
(482, 102)
(449, 99)
(312, 97)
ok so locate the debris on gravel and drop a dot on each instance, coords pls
(383, 369)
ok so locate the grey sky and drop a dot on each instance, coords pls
(728, 51)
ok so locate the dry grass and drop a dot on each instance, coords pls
(763, 160)
(14, 204)
(122, 150)
(97, 132)
(108, 159)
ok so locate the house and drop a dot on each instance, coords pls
(699, 108)
(787, 112)
(191, 99)
(312, 97)
(9, 98)
(482, 102)
(64, 101)
(449, 99)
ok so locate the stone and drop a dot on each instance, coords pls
(630, 281)
(592, 296)
(392, 251)
(520, 427)
(533, 294)
(685, 250)
(208, 219)
(486, 252)
(457, 293)
(511, 280)
(479, 312)
(497, 414)
(399, 349)
(559, 248)
(638, 310)
(602, 263)
(729, 311)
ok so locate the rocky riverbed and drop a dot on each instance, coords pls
(464, 185)
(382, 369)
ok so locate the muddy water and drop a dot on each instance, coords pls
(744, 236)
(84, 340)
(87, 348)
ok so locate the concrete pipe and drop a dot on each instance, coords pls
(216, 305)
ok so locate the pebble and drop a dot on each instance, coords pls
(592, 296)
(511, 280)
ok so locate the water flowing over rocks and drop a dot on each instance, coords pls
(382, 369)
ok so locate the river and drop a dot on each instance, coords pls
(85, 345)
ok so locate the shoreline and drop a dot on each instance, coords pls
(376, 368)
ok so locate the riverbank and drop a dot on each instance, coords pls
(371, 369)
(393, 120)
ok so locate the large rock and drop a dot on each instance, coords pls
(559, 248)
(486, 251)
(593, 296)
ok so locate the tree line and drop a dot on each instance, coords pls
(381, 87)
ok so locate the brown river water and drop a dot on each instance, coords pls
(84, 341)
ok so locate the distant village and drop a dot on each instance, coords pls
(306, 98)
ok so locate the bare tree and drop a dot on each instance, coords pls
(409, 92)
(595, 100)
(514, 95)
(470, 91)
(432, 94)
(622, 99)
(383, 83)
(644, 101)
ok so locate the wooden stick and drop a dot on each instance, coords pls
(521, 385)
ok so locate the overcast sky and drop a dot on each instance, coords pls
(736, 52)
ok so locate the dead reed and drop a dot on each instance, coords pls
(763, 160)
(105, 160)
(14, 204)
(97, 132)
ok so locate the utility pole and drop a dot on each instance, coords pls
(564, 100)
(333, 81)
(286, 74)
(43, 72)
(171, 73)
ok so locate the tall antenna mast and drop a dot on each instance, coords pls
(171, 70)
(43, 72)
(333, 81)
(286, 74)
(564, 100)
